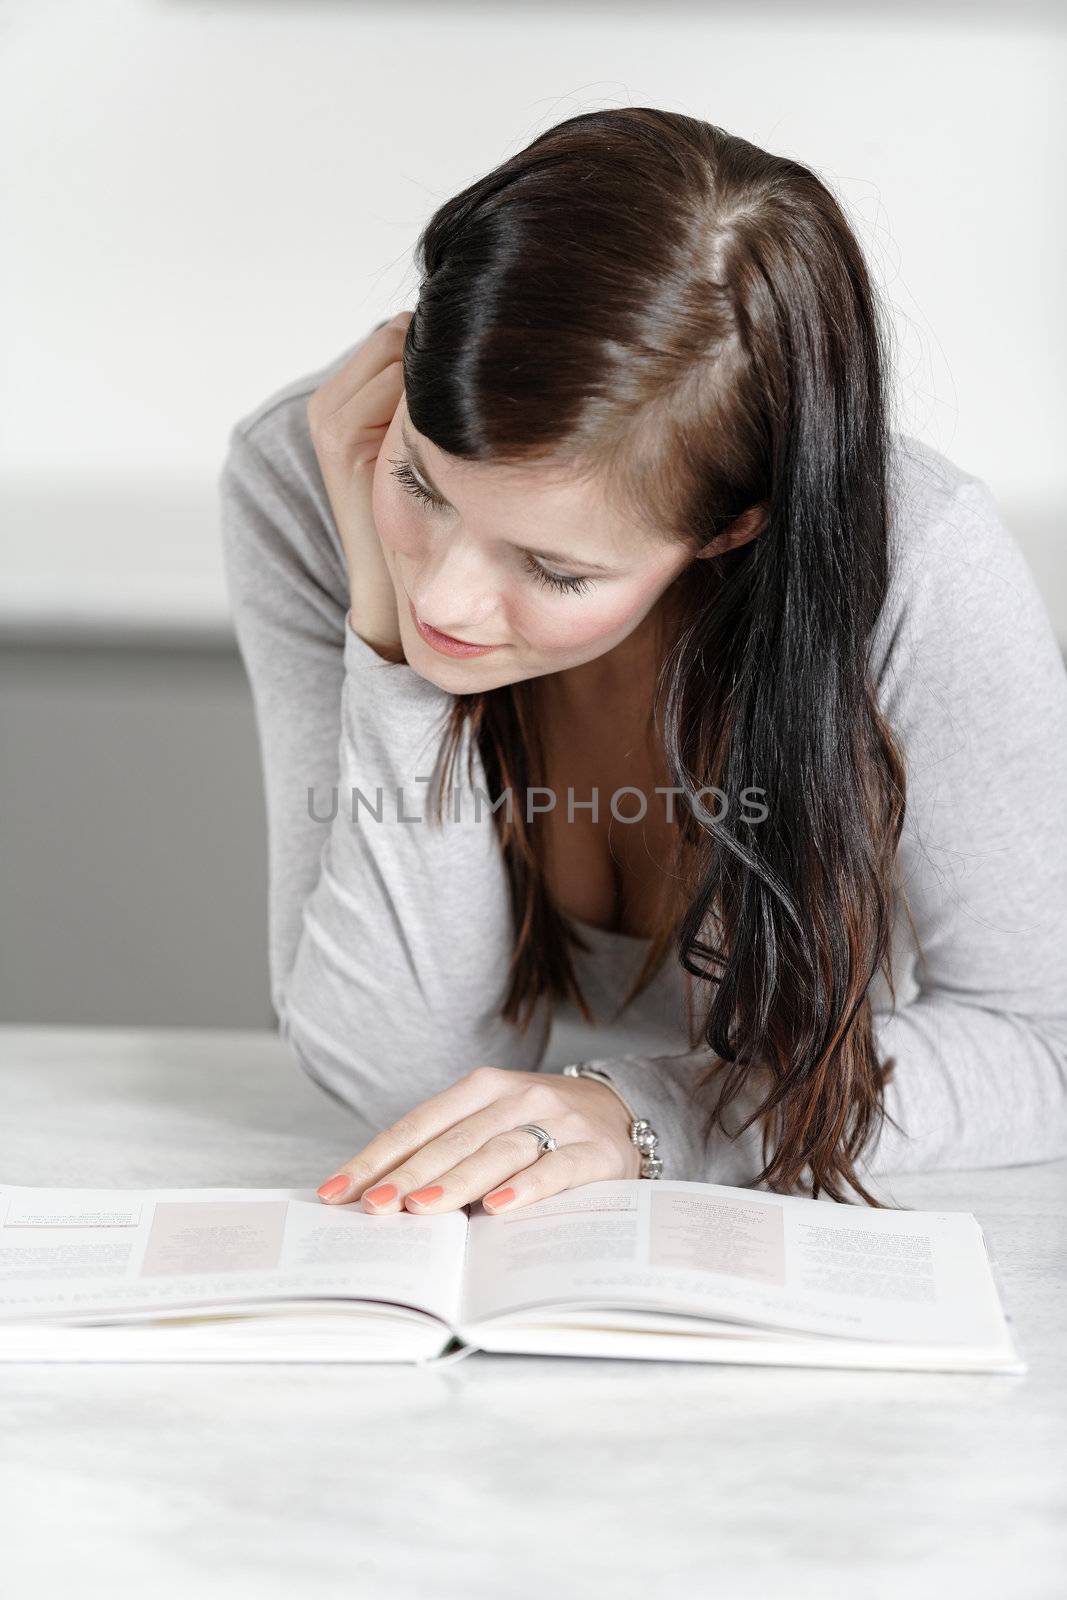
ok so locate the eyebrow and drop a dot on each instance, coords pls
(546, 555)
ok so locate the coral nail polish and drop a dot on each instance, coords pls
(502, 1197)
(382, 1195)
(333, 1186)
(423, 1197)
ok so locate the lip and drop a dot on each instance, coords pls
(444, 643)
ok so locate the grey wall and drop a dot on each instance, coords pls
(132, 849)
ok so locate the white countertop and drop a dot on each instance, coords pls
(501, 1475)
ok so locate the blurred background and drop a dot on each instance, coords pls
(204, 201)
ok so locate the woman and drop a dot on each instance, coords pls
(632, 452)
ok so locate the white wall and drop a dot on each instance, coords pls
(202, 201)
(205, 200)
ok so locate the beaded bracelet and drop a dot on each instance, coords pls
(642, 1134)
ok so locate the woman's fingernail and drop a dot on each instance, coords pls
(423, 1197)
(502, 1197)
(382, 1195)
(333, 1186)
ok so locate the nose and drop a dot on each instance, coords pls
(454, 601)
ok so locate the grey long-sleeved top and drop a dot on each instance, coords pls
(389, 940)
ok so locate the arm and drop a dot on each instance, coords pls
(972, 680)
(389, 941)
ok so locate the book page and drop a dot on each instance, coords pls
(80, 1254)
(739, 1254)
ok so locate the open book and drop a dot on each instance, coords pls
(662, 1270)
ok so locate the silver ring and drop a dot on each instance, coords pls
(545, 1140)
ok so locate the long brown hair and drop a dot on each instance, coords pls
(642, 295)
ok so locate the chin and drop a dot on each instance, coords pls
(457, 677)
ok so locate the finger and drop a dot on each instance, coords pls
(468, 1158)
(377, 350)
(429, 1178)
(504, 1157)
(566, 1168)
(353, 432)
(499, 1156)
(395, 1145)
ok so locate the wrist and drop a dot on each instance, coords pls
(641, 1132)
(619, 1117)
(377, 626)
(393, 653)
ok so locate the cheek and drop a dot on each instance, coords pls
(395, 516)
(397, 527)
(577, 624)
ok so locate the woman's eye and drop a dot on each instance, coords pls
(555, 580)
(407, 480)
(401, 471)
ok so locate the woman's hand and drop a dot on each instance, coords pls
(464, 1143)
(349, 416)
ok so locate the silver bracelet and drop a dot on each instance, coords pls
(642, 1133)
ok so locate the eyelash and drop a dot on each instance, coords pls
(403, 474)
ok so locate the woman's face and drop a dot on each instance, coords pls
(525, 560)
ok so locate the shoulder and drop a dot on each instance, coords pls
(278, 424)
(945, 527)
(960, 586)
(277, 521)
(275, 432)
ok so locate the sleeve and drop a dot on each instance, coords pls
(973, 683)
(390, 938)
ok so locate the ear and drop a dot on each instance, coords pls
(743, 528)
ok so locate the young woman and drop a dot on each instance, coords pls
(614, 524)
